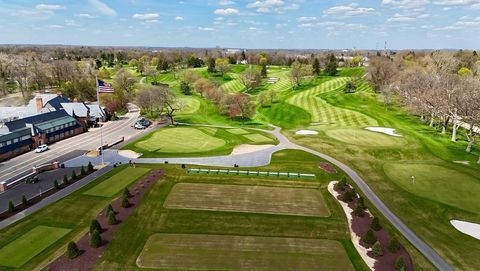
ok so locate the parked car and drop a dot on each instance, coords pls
(144, 122)
(139, 126)
(41, 148)
(32, 179)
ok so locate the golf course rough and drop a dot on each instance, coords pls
(181, 140)
(245, 198)
(364, 138)
(21, 250)
(113, 185)
(437, 183)
(226, 252)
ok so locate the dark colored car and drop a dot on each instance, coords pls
(32, 179)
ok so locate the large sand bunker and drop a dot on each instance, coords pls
(469, 228)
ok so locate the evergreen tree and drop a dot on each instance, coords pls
(377, 249)
(66, 181)
(72, 251)
(361, 203)
(11, 207)
(332, 65)
(95, 239)
(359, 211)
(24, 201)
(369, 237)
(264, 71)
(110, 209)
(74, 175)
(95, 226)
(55, 185)
(125, 202)
(399, 264)
(82, 171)
(340, 185)
(393, 245)
(211, 65)
(347, 196)
(316, 67)
(126, 193)
(185, 88)
(375, 224)
(111, 219)
(89, 167)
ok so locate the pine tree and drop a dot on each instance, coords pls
(74, 175)
(264, 71)
(340, 185)
(399, 264)
(126, 193)
(332, 65)
(393, 245)
(316, 67)
(72, 251)
(125, 202)
(24, 201)
(369, 237)
(111, 219)
(110, 209)
(95, 239)
(90, 167)
(11, 207)
(361, 203)
(377, 249)
(358, 211)
(95, 226)
(82, 171)
(66, 181)
(375, 224)
(347, 196)
(55, 185)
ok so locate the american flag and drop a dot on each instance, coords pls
(104, 87)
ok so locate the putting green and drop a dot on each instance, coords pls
(21, 250)
(258, 138)
(191, 105)
(364, 138)
(238, 131)
(111, 186)
(180, 140)
(437, 183)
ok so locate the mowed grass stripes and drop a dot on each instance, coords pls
(29, 245)
(113, 185)
(324, 113)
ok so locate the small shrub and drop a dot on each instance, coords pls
(82, 171)
(89, 167)
(66, 181)
(74, 175)
(126, 193)
(377, 249)
(399, 264)
(359, 211)
(340, 185)
(111, 219)
(24, 201)
(72, 251)
(361, 203)
(347, 196)
(55, 185)
(95, 226)
(393, 245)
(369, 237)
(110, 209)
(375, 224)
(11, 207)
(95, 239)
(125, 202)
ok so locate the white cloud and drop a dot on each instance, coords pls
(55, 26)
(226, 11)
(85, 15)
(277, 6)
(401, 18)
(103, 8)
(411, 5)
(455, 2)
(47, 7)
(307, 19)
(329, 25)
(146, 16)
(349, 11)
(226, 2)
(179, 18)
(205, 29)
(220, 19)
(252, 28)
(280, 26)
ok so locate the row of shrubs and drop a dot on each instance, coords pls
(96, 229)
(369, 238)
(65, 182)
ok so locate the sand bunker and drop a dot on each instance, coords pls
(129, 154)
(246, 148)
(306, 132)
(387, 131)
(472, 229)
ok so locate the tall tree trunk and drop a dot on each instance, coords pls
(454, 131)
(432, 119)
(445, 125)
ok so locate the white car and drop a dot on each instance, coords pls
(41, 148)
(139, 126)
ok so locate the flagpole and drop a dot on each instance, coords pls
(101, 126)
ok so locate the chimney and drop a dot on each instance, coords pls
(39, 102)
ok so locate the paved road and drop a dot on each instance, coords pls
(86, 141)
(263, 157)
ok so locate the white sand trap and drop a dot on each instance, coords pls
(472, 229)
(129, 154)
(387, 131)
(306, 132)
(246, 148)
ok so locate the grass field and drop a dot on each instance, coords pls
(29, 245)
(113, 185)
(325, 114)
(364, 138)
(285, 115)
(437, 183)
(192, 105)
(233, 86)
(239, 198)
(196, 141)
(224, 252)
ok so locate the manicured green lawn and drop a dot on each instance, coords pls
(258, 138)
(364, 138)
(29, 245)
(238, 131)
(113, 185)
(191, 105)
(285, 115)
(437, 183)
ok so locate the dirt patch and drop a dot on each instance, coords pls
(89, 256)
(129, 154)
(359, 226)
(329, 168)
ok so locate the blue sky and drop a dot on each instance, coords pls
(315, 24)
